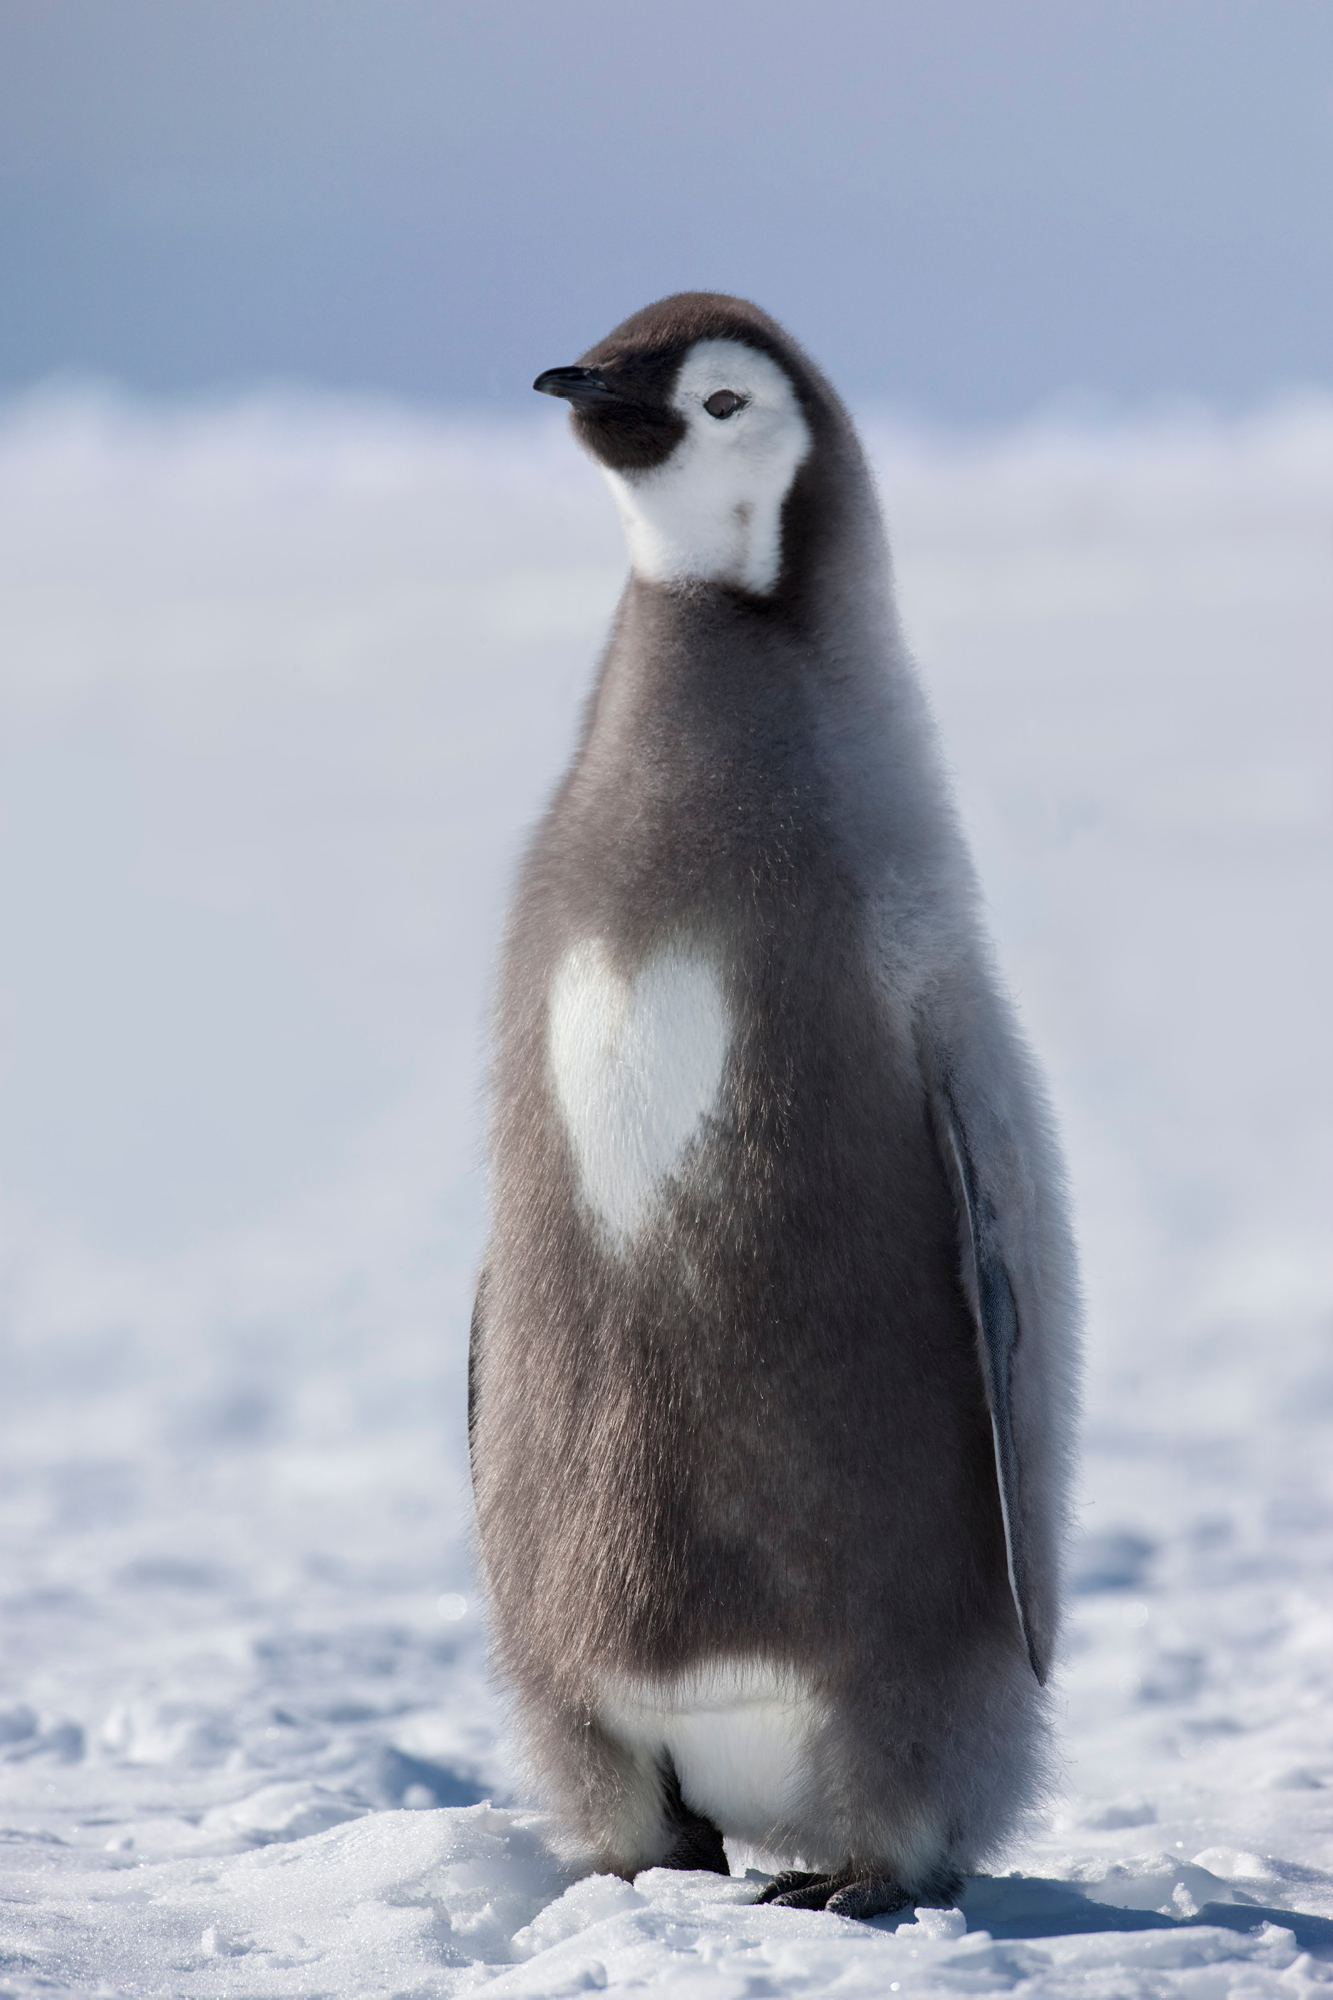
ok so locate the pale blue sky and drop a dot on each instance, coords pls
(965, 208)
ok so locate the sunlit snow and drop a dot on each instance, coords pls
(281, 685)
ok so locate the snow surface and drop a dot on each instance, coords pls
(282, 684)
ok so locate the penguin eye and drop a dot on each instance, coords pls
(724, 403)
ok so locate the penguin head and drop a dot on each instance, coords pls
(707, 422)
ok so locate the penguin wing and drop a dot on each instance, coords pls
(474, 1347)
(991, 1295)
(997, 1146)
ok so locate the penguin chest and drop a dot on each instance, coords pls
(739, 1732)
(637, 1065)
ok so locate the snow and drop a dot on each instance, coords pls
(282, 683)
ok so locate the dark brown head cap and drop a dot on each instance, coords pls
(620, 392)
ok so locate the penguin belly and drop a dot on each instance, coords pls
(739, 1733)
(738, 1490)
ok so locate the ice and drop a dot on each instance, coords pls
(934, 1924)
(282, 683)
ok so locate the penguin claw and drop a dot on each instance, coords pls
(868, 1896)
(812, 1894)
(844, 1895)
(788, 1883)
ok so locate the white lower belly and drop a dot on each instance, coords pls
(739, 1736)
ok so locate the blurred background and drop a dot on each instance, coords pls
(302, 589)
(965, 209)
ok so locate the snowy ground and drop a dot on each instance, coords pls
(281, 685)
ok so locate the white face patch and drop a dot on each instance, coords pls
(739, 1733)
(638, 1068)
(714, 510)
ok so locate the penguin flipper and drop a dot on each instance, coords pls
(992, 1299)
(474, 1346)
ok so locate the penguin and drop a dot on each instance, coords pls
(773, 1372)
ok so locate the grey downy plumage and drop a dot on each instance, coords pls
(772, 1388)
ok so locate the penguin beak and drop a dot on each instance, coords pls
(583, 387)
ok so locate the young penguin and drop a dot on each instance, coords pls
(772, 1372)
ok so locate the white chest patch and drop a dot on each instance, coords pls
(714, 509)
(739, 1733)
(637, 1066)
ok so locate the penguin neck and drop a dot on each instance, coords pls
(734, 726)
(689, 666)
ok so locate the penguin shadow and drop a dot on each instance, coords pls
(1013, 1908)
(1032, 1906)
(400, 1780)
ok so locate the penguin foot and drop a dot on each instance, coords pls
(695, 1841)
(846, 1894)
(867, 1896)
(697, 1846)
(787, 1883)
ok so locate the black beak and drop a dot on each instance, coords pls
(583, 387)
